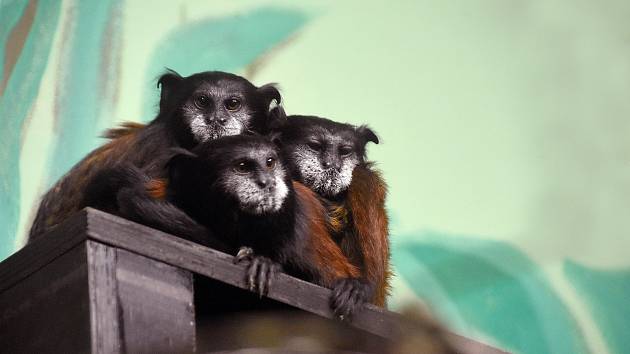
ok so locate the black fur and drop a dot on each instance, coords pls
(349, 295)
(279, 236)
(199, 207)
(299, 130)
(334, 144)
(256, 112)
(121, 191)
(178, 92)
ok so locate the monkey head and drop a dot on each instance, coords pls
(243, 170)
(322, 154)
(209, 105)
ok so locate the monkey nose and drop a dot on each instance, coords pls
(327, 164)
(222, 121)
(262, 183)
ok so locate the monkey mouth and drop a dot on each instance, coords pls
(216, 130)
(264, 204)
(205, 131)
(330, 183)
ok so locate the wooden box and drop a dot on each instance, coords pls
(102, 284)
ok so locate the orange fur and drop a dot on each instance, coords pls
(337, 217)
(157, 188)
(327, 255)
(366, 201)
(67, 193)
(124, 129)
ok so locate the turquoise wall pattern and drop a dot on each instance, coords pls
(27, 37)
(504, 133)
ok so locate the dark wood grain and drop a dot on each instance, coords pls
(104, 299)
(181, 253)
(48, 311)
(101, 231)
(156, 305)
(43, 250)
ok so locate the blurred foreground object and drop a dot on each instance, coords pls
(107, 285)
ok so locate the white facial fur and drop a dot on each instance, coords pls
(327, 182)
(204, 131)
(237, 121)
(252, 198)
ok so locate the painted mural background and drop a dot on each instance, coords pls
(505, 129)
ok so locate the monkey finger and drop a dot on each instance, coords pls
(340, 303)
(263, 278)
(244, 253)
(252, 271)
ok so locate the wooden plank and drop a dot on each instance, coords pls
(177, 252)
(469, 346)
(104, 304)
(48, 311)
(125, 234)
(43, 250)
(156, 305)
(306, 296)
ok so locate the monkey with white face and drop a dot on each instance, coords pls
(236, 193)
(193, 110)
(330, 158)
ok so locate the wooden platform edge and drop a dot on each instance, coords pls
(92, 224)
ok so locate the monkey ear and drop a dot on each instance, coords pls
(166, 83)
(270, 93)
(276, 116)
(367, 134)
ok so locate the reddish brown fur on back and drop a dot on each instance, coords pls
(66, 195)
(125, 128)
(366, 201)
(157, 188)
(327, 255)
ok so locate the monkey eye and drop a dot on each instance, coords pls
(232, 104)
(202, 101)
(314, 145)
(345, 150)
(243, 167)
(271, 163)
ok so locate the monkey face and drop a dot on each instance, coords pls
(210, 105)
(256, 178)
(325, 163)
(324, 153)
(244, 170)
(217, 109)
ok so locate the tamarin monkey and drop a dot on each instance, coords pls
(192, 110)
(240, 191)
(330, 158)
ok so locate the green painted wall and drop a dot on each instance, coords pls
(504, 125)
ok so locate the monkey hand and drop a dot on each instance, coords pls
(348, 296)
(244, 254)
(260, 272)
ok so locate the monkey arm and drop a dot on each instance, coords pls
(137, 205)
(329, 265)
(324, 256)
(127, 191)
(366, 201)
